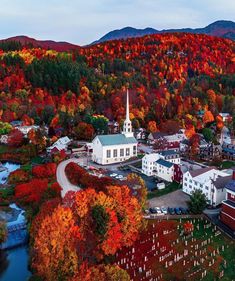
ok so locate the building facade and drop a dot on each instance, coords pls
(161, 164)
(210, 181)
(227, 214)
(115, 148)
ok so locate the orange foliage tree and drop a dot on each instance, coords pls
(55, 256)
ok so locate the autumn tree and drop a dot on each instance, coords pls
(37, 139)
(55, 256)
(152, 127)
(137, 185)
(208, 117)
(16, 138)
(84, 131)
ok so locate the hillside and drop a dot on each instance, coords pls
(225, 29)
(46, 44)
(170, 76)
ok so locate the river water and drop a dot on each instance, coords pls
(17, 258)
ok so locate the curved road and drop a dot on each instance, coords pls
(62, 179)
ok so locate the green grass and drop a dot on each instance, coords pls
(37, 160)
(3, 148)
(221, 240)
(227, 164)
(27, 167)
(173, 186)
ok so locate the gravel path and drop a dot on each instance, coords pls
(62, 179)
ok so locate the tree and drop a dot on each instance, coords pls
(152, 127)
(208, 135)
(84, 131)
(137, 185)
(16, 138)
(3, 232)
(198, 202)
(55, 256)
(208, 117)
(37, 139)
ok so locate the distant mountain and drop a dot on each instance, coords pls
(222, 28)
(46, 44)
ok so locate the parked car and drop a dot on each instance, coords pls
(113, 175)
(164, 210)
(171, 211)
(178, 211)
(158, 210)
(119, 177)
(152, 211)
(184, 211)
(147, 212)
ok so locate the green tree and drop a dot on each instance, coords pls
(197, 202)
(208, 134)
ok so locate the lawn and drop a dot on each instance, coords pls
(173, 186)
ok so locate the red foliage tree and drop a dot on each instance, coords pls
(16, 138)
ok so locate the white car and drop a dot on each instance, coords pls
(158, 210)
(113, 175)
(119, 177)
(164, 210)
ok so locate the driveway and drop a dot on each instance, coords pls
(174, 199)
(62, 179)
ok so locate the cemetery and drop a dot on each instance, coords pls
(184, 249)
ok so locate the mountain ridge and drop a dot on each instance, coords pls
(220, 28)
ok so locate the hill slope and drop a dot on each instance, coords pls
(221, 28)
(46, 44)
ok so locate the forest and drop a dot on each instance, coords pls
(170, 77)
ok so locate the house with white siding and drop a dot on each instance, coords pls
(210, 181)
(161, 164)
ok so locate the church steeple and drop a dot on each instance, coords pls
(127, 127)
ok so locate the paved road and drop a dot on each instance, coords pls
(62, 179)
(174, 199)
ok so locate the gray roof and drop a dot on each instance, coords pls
(116, 139)
(165, 163)
(168, 152)
(195, 173)
(221, 182)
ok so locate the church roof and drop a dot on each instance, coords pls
(115, 139)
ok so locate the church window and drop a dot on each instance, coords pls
(122, 152)
(115, 153)
(108, 153)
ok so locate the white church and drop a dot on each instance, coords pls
(109, 149)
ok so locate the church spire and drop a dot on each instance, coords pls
(127, 128)
(127, 106)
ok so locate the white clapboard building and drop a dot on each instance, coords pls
(115, 148)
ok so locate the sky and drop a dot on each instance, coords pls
(84, 21)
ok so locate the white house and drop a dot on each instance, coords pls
(161, 164)
(225, 116)
(26, 129)
(210, 181)
(164, 169)
(115, 148)
(60, 144)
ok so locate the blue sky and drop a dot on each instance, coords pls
(82, 22)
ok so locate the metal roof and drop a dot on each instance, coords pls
(116, 139)
(231, 185)
(164, 163)
(168, 152)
